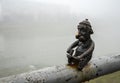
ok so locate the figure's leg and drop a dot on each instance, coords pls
(69, 61)
(72, 61)
(83, 63)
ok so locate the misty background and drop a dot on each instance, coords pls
(36, 33)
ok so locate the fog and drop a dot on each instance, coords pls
(36, 33)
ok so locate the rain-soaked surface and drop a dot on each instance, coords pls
(68, 73)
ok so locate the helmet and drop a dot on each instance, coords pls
(86, 22)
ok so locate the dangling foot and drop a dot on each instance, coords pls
(80, 68)
(69, 61)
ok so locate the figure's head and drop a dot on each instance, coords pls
(84, 30)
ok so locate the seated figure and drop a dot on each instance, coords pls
(83, 46)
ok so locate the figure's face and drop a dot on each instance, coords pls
(82, 29)
(83, 32)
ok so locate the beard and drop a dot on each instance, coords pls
(83, 38)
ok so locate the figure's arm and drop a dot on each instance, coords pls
(73, 45)
(86, 53)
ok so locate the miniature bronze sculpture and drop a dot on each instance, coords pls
(83, 46)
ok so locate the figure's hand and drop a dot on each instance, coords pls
(68, 55)
(79, 57)
(68, 50)
(76, 58)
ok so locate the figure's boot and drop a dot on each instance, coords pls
(83, 63)
(80, 66)
(69, 61)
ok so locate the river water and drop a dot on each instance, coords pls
(23, 55)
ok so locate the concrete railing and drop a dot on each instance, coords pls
(68, 74)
